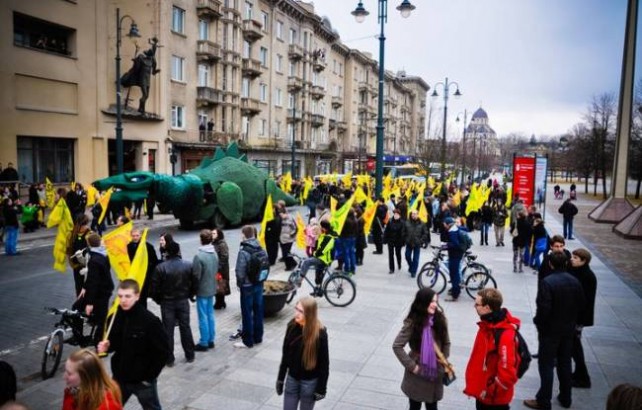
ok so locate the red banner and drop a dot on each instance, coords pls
(524, 179)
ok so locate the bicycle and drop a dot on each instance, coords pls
(434, 273)
(337, 287)
(71, 320)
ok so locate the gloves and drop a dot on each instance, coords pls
(318, 396)
(279, 387)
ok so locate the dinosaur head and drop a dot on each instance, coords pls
(130, 186)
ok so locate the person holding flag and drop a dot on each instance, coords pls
(152, 261)
(322, 256)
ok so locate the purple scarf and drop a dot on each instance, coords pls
(427, 355)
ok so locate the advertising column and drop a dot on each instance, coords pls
(524, 179)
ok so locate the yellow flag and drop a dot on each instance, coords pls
(300, 234)
(307, 184)
(509, 197)
(333, 204)
(116, 243)
(73, 185)
(338, 218)
(60, 216)
(368, 217)
(128, 214)
(268, 215)
(471, 204)
(387, 182)
(347, 180)
(104, 203)
(423, 213)
(457, 198)
(50, 194)
(359, 195)
(91, 195)
(137, 270)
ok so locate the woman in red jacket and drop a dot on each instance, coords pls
(88, 385)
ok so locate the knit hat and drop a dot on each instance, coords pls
(449, 220)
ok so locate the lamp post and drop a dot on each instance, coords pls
(360, 13)
(293, 135)
(133, 32)
(463, 160)
(446, 86)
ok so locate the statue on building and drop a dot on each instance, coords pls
(140, 73)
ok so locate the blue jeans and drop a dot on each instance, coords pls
(412, 258)
(299, 391)
(11, 240)
(555, 351)
(206, 321)
(483, 235)
(455, 274)
(349, 254)
(568, 228)
(252, 313)
(146, 392)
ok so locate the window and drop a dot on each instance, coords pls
(267, 165)
(287, 167)
(292, 36)
(279, 30)
(42, 35)
(203, 75)
(290, 132)
(278, 97)
(248, 10)
(263, 92)
(52, 158)
(264, 20)
(226, 28)
(247, 49)
(245, 88)
(224, 78)
(178, 20)
(178, 117)
(291, 100)
(277, 129)
(178, 68)
(203, 30)
(263, 56)
(279, 63)
(292, 69)
(263, 127)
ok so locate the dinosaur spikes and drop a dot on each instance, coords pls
(206, 162)
(233, 150)
(243, 158)
(218, 154)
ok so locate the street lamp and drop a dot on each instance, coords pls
(463, 160)
(360, 13)
(446, 86)
(133, 33)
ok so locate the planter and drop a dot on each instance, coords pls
(275, 293)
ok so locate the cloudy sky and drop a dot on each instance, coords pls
(533, 65)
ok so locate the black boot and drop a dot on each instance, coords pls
(219, 302)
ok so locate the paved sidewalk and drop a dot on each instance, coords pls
(364, 373)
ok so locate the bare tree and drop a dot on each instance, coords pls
(635, 147)
(601, 118)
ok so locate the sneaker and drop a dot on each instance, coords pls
(236, 336)
(200, 348)
(241, 345)
(317, 292)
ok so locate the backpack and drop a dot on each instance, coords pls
(465, 241)
(258, 266)
(523, 354)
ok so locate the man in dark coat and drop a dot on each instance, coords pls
(378, 225)
(152, 261)
(557, 245)
(416, 236)
(560, 300)
(568, 211)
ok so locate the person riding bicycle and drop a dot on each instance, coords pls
(321, 258)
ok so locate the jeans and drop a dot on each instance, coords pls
(299, 391)
(483, 235)
(568, 227)
(252, 313)
(416, 405)
(349, 254)
(499, 233)
(178, 310)
(206, 320)
(394, 251)
(554, 351)
(412, 258)
(455, 274)
(319, 267)
(146, 392)
(11, 240)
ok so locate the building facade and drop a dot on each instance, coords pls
(481, 140)
(270, 74)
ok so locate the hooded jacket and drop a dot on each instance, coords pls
(243, 259)
(99, 284)
(204, 268)
(491, 373)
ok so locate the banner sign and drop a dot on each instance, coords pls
(524, 179)
(541, 164)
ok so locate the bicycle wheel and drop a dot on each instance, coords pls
(430, 277)
(477, 281)
(52, 354)
(339, 290)
(474, 267)
(294, 276)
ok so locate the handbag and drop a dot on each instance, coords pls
(449, 369)
(221, 284)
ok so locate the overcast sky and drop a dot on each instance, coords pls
(533, 65)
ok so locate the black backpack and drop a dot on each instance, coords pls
(465, 241)
(258, 266)
(523, 354)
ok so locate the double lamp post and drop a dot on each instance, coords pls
(446, 88)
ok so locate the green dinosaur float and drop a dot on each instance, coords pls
(224, 190)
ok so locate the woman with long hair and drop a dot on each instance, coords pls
(223, 253)
(88, 385)
(425, 330)
(305, 359)
(77, 241)
(165, 238)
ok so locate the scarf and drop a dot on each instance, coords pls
(427, 355)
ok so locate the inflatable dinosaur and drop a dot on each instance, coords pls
(224, 190)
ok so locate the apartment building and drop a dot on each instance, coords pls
(270, 74)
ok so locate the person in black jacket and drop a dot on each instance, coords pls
(305, 359)
(98, 285)
(580, 260)
(521, 232)
(395, 236)
(416, 236)
(272, 235)
(378, 225)
(486, 222)
(557, 245)
(172, 286)
(560, 300)
(140, 346)
(568, 211)
(152, 261)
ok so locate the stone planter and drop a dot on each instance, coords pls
(275, 293)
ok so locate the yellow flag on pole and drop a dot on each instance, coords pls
(300, 234)
(333, 204)
(91, 195)
(368, 217)
(50, 194)
(268, 215)
(104, 203)
(60, 216)
(116, 244)
(423, 213)
(137, 269)
(338, 218)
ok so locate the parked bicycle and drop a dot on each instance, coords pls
(337, 287)
(71, 321)
(435, 274)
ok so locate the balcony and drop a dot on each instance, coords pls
(210, 9)
(212, 137)
(251, 68)
(363, 86)
(317, 120)
(337, 101)
(294, 83)
(318, 62)
(252, 30)
(208, 51)
(332, 123)
(295, 52)
(207, 96)
(231, 58)
(249, 106)
(317, 92)
(342, 126)
(294, 115)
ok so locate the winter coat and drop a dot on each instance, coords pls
(173, 280)
(568, 209)
(560, 300)
(499, 216)
(589, 284)
(523, 233)
(416, 232)
(545, 268)
(414, 386)
(99, 284)
(491, 373)
(204, 268)
(311, 234)
(108, 403)
(223, 253)
(486, 214)
(288, 230)
(242, 260)
(350, 228)
(395, 232)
